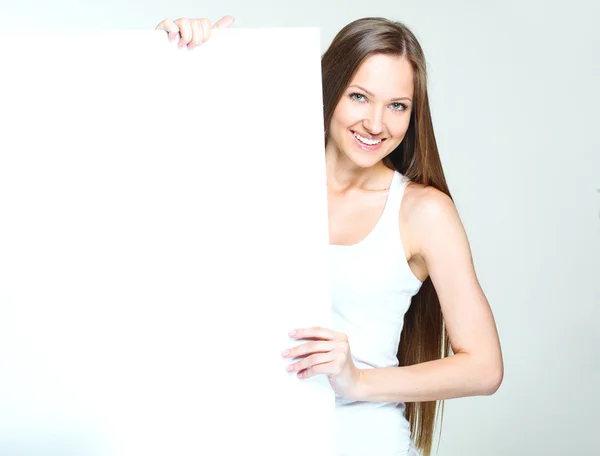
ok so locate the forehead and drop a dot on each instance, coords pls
(387, 76)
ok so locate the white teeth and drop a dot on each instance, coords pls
(368, 142)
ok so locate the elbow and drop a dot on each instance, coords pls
(485, 372)
(492, 379)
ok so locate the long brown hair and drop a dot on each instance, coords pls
(424, 337)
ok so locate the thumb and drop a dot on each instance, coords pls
(224, 22)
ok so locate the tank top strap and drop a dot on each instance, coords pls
(391, 212)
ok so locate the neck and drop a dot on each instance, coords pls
(343, 174)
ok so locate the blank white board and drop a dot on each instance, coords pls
(163, 225)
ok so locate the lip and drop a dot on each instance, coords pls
(366, 146)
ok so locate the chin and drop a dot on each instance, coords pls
(363, 163)
(362, 159)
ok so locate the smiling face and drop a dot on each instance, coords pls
(373, 115)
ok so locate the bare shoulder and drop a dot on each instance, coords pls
(424, 211)
(425, 203)
(425, 214)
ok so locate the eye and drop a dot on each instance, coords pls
(398, 106)
(358, 97)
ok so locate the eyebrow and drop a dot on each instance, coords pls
(373, 95)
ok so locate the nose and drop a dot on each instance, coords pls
(373, 123)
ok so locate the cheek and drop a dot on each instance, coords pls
(399, 128)
(346, 114)
(335, 126)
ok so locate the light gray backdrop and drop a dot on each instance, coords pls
(515, 99)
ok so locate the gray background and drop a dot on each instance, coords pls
(514, 91)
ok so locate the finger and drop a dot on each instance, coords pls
(170, 27)
(206, 28)
(197, 35)
(185, 30)
(311, 361)
(325, 368)
(314, 333)
(308, 348)
(225, 22)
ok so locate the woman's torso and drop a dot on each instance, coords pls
(372, 286)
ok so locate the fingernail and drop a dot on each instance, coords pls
(290, 368)
(291, 333)
(285, 352)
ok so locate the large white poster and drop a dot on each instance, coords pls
(163, 225)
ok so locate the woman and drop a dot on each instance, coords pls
(404, 285)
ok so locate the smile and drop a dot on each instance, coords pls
(366, 143)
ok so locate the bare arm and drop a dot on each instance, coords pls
(476, 368)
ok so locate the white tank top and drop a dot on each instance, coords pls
(372, 286)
